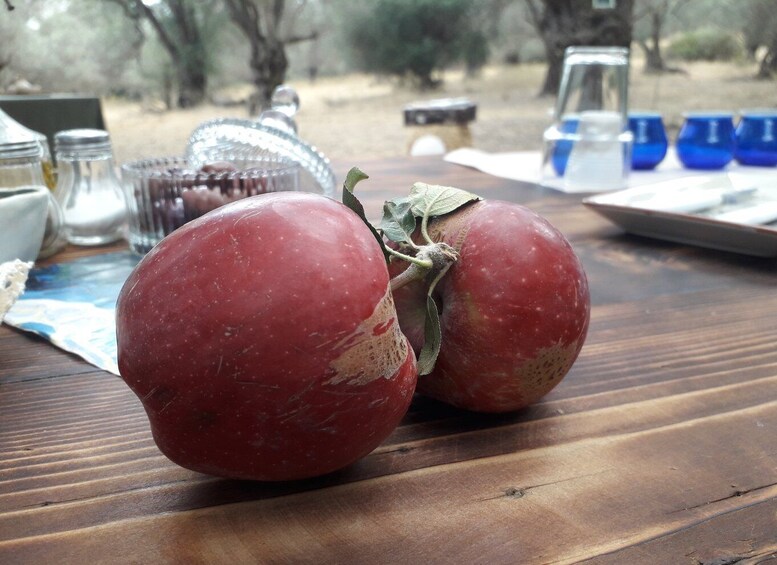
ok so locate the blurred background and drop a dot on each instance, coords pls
(160, 67)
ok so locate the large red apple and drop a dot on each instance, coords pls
(263, 341)
(514, 308)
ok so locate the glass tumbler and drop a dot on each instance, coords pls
(756, 138)
(650, 141)
(706, 140)
(588, 145)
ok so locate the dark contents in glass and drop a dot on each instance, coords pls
(165, 194)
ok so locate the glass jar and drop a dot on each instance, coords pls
(20, 166)
(12, 131)
(88, 188)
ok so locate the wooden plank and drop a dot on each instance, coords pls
(572, 501)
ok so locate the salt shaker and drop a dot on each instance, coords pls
(88, 188)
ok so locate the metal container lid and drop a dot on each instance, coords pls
(20, 150)
(82, 142)
(440, 111)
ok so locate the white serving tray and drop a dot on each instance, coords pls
(638, 210)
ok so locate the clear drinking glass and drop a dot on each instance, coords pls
(589, 143)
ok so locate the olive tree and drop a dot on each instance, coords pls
(178, 24)
(760, 31)
(416, 38)
(650, 18)
(268, 28)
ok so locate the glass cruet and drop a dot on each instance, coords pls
(88, 188)
(25, 160)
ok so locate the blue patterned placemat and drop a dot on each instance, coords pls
(73, 305)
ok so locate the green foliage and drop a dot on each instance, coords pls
(61, 47)
(705, 45)
(417, 38)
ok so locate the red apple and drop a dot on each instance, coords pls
(263, 341)
(514, 308)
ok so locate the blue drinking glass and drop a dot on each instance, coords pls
(650, 141)
(706, 140)
(563, 146)
(756, 138)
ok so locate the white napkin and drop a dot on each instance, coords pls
(757, 214)
(526, 166)
(13, 275)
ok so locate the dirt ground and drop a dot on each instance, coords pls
(358, 116)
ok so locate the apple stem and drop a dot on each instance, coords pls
(419, 261)
(434, 258)
(413, 272)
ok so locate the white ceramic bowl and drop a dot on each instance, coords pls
(23, 213)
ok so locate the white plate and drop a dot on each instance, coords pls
(629, 209)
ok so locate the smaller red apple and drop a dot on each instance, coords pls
(514, 308)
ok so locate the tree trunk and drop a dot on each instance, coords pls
(768, 65)
(566, 23)
(180, 36)
(192, 83)
(260, 22)
(268, 68)
(654, 61)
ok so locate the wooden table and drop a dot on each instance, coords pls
(660, 446)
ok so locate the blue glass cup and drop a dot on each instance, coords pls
(706, 140)
(756, 138)
(650, 141)
(564, 143)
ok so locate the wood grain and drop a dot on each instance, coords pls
(660, 446)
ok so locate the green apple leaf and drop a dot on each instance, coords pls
(398, 222)
(434, 200)
(354, 176)
(432, 338)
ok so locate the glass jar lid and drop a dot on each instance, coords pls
(18, 141)
(82, 143)
(20, 150)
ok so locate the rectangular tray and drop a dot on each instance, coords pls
(623, 209)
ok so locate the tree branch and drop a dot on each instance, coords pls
(168, 43)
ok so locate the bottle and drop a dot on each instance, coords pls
(21, 166)
(88, 189)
